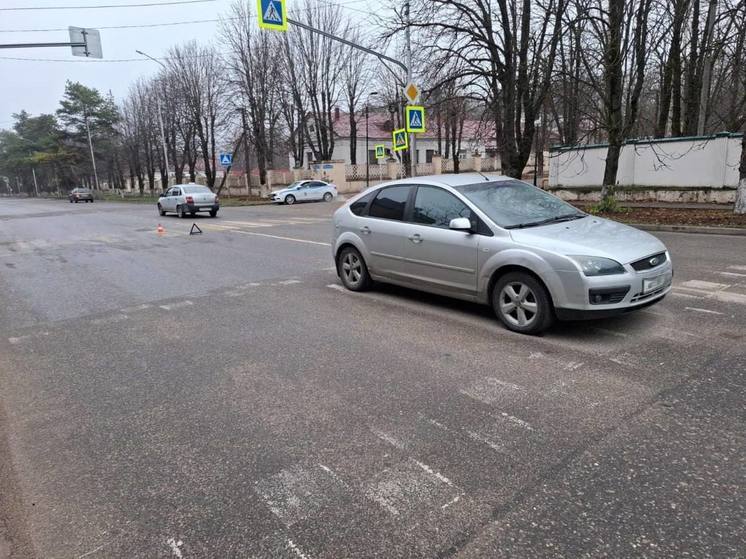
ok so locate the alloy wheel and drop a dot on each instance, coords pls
(518, 304)
(352, 268)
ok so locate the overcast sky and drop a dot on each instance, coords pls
(38, 86)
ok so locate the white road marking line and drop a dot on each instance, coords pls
(297, 550)
(573, 366)
(383, 502)
(732, 274)
(337, 287)
(695, 309)
(451, 502)
(484, 440)
(175, 545)
(432, 472)
(176, 305)
(685, 295)
(288, 282)
(19, 339)
(703, 285)
(387, 438)
(517, 421)
(729, 297)
(142, 307)
(234, 293)
(282, 238)
(334, 476)
(737, 268)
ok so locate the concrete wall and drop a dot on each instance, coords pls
(706, 161)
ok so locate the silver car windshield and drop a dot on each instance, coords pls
(514, 204)
(196, 190)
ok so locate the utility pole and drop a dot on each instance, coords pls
(160, 121)
(408, 40)
(246, 154)
(90, 146)
(367, 154)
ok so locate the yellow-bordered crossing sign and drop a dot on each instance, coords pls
(380, 151)
(272, 14)
(400, 139)
(415, 118)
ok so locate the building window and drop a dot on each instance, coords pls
(429, 155)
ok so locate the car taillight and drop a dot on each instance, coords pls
(190, 200)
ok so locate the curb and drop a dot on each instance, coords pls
(703, 230)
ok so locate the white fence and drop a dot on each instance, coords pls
(702, 161)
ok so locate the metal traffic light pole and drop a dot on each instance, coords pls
(406, 67)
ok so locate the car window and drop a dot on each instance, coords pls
(176, 192)
(196, 190)
(359, 205)
(390, 203)
(437, 207)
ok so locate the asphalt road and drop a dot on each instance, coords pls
(220, 395)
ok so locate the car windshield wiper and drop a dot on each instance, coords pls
(556, 219)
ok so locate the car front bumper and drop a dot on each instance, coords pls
(639, 289)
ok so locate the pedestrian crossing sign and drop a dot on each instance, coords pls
(226, 159)
(415, 119)
(380, 151)
(401, 139)
(272, 14)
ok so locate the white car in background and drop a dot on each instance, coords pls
(305, 191)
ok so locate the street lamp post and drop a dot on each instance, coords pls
(367, 153)
(160, 118)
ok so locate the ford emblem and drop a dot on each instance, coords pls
(653, 261)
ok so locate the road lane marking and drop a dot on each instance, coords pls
(297, 550)
(686, 295)
(178, 305)
(337, 287)
(708, 311)
(451, 502)
(698, 285)
(142, 307)
(288, 282)
(732, 274)
(282, 238)
(175, 545)
(387, 438)
(517, 421)
(743, 268)
(478, 437)
(432, 472)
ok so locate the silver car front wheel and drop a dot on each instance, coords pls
(522, 303)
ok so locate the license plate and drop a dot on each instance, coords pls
(651, 284)
(206, 207)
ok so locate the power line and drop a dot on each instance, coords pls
(165, 24)
(103, 6)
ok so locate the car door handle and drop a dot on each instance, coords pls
(365, 230)
(416, 238)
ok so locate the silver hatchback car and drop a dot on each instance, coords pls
(499, 241)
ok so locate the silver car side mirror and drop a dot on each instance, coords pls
(460, 224)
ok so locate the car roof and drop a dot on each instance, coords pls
(453, 179)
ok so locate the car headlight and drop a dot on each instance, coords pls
(597, 266)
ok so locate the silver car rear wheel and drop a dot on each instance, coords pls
(352, 270)
(328, 197)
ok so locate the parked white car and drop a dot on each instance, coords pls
(305, 191)
(188, 199)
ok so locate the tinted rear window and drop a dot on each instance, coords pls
(390, 203)
(359, 205)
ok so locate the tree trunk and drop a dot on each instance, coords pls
(613, 79)
(741, 192)
(708, 55)
(353, 137)
(694, 83)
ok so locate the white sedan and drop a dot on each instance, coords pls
(305, 191)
